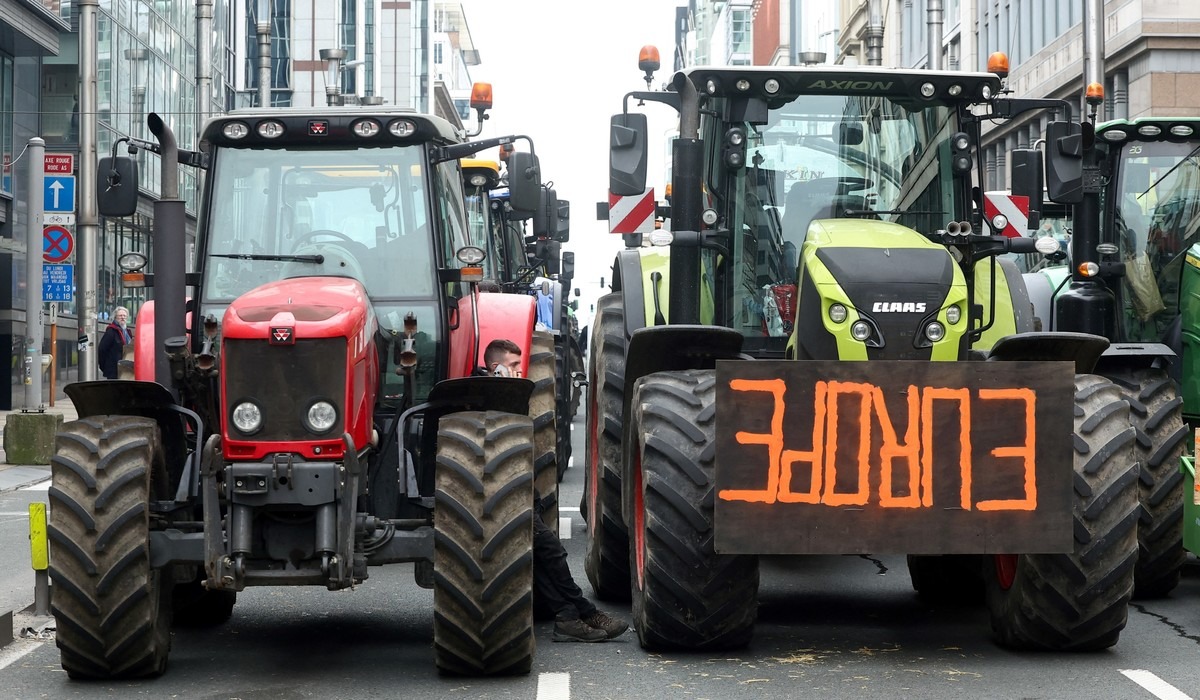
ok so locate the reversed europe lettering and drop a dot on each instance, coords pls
(812, 466)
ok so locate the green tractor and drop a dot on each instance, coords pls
(1140, 294)
(835, 356)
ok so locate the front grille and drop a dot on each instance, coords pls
(284, 380)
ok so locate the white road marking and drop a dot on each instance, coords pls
(564, 527)
(1157, 686)
(16, 650)
(554, 686)
(568, 509)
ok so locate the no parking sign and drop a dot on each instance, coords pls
(57, 244)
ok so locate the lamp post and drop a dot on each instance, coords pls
(333, 76)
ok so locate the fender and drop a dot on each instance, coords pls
(509, 316)
(665, 349)
(144, 351)
(628, 280)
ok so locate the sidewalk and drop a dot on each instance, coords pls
(15, 476)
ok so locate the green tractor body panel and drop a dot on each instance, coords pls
(658, 259)
(1189, 305)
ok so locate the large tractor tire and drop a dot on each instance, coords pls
(1079, 601)
(607, 560)
(545, 426)
(112, 610)
(562, 401)
(1156, 412)
(196, 606)
(483, 545)
(685, 595)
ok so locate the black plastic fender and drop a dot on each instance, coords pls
(667, 349)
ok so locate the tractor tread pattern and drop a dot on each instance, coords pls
(1079, 601)
(607, 559)
(113, 611)
(1156, 413)
(545, 426)
(690, 597)
(483, 549)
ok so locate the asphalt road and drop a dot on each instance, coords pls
(829, 627)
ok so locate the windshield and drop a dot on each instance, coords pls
(1157, 218)
(284, 213)
(820, 157)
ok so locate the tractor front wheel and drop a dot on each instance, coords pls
(483, 544)
(685, 595)
(1079, 601)
(545, 426)
(113, 611)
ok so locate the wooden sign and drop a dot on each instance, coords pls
(894, 456)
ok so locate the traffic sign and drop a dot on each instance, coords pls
(57, 244)
(58, 219)
(59, 163)
(59, 193)
(58, 282)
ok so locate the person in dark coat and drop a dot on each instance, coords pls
(112, 345)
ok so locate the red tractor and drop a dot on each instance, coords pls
(304, 406)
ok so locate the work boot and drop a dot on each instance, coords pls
(577, 631)
(602, 621)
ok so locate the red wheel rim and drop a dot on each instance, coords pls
(639, 521)
(593, 466)
(1006, 570)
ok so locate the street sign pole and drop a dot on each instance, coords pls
(53, 347)
(34, 333)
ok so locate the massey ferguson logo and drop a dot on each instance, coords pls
(872, 85)
(283, 335)
(898, 307)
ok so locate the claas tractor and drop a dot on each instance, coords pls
(898, 401)
(1131, 279)
(304, 405)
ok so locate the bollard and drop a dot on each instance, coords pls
(39, 550)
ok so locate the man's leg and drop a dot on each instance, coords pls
(554, 588)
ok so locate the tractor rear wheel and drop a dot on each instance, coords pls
(1156, 412)
(483, 544)
(113, 611)
(545, 426)
(607, 559)
(685, 595)
(1079, 601)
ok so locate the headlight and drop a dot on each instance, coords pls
(953, 314)
(935, 332)
(837, 313)
(402, 128)
(247, 417)
(366, 128)
(860, 331)
(235, 130)
(269, 129)
(321, 417)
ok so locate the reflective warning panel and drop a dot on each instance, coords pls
(894, 457)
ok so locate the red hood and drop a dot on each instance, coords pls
(317, 307)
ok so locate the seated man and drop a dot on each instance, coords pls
(555, 592)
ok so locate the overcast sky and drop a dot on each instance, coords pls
(559, 70)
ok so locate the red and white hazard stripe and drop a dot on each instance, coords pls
(632, 213)
(1014, 207)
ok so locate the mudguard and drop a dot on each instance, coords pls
(510, 316)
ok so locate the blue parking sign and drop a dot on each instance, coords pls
(59, 193)
(58, 282)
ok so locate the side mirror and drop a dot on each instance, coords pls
(524, 181)
(563, 234)
(568, 268)
(1027, 181)
(117, 186)
(1064, 162)
(627, 154)
(550, 252)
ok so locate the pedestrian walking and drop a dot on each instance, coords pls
(112, 345)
